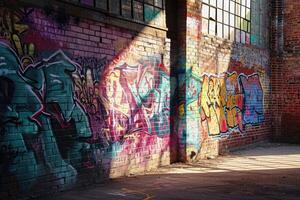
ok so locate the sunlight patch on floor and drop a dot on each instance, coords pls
(241, 163)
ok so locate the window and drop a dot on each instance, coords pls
(229, 19)
(138, 10)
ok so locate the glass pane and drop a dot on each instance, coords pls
(137, 10)
(242, 24)
(243, 11)
(220, 4)
(226, 32)
(126, 8)
(206, 1)
(213, 2)
(148, 13)
(157, 17)
(249, 27)
(232, 7)
(243, 37)
(205, 11)
(231, 20)
(226, 5)
(237, 22)
(246, 25)
(101, 4)
(158, 3)
(212, 13)
(232, 34)
(212, 27)
(219, 15)
(237, 35)
(114, 6)
(249, 3)
(238, 9)
(226, 18)
(248, 13)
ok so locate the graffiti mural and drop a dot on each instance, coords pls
(135, 96)
(58, 110)
(213, 100)
(64, 110)
(28, 146)
(55, 131)
(227, 102)
(52, 81)
(234, 102)
(12, 26)
(253, 112)
(127, 98)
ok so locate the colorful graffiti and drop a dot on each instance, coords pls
(227, 101)
(136, 96)
(61, 114)
(253, 112)
(52, 81)
(12, 26)
(57, 112)
(28, 146)
(55, 126)
(213, 99)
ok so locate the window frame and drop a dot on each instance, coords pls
(145, 3)
(238, 24)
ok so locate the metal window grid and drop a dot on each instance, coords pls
(154, 4)
(237, 21)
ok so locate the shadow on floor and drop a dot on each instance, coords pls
(271, 171)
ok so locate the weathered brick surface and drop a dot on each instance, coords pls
(285, 71)
(80, 101)
(225, 91)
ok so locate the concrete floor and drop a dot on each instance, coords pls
(268, 171)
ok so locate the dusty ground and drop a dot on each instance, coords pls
(268, 171)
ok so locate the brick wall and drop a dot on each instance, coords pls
(286, 71)
(225, 103)
(86, 96)
(80, 99)
(242, 74)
